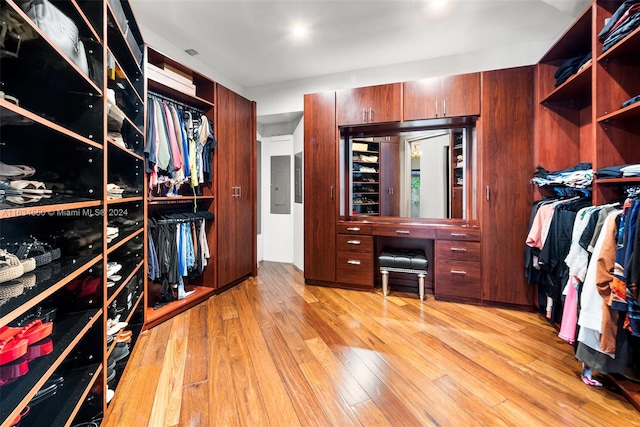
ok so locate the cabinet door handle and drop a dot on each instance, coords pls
(370, 115)
(444, 108)
(459, 272)
(488, 195)
(458, 249)
(331, 192)
(458, 235)
(353, 262)
(239, 192)
(235, 192)
(353, 242)
(364, 115)
(436, 108)
(403, 232)
(353, 228)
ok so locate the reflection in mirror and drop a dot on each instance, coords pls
(414, 174)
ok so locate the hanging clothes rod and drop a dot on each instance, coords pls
(173, 101)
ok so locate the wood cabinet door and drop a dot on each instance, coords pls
(372, 104)
(320, 190)
(226, 194)
(420, 98)
(245, 176)
(460, 95)
(505, 142)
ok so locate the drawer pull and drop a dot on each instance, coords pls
(353, 228)
(458, 249)
(458, 235)
(403, 232)
(353, 242)
(353, 261)
(458, 272)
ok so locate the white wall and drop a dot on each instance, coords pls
(277, 229)
(298, 208)
(288, 96)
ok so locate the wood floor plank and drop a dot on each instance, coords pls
(483, 384)
(300, 392)
(277, 403)
(273, 351)
(138, 405)
(222, 405)
(333, 404)
(193, 410)
(196, 369)
(249, 404)
(329, 329)
(154, 352)
(462, 395)
(168, 396)
(342, 379)
(370, 415)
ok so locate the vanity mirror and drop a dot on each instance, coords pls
(408, 173)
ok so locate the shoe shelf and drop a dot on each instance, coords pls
(47, 284)
(67, 333)
(124, 200)
(123, 44)
(124, 240)
(62, 406)
(127, 274)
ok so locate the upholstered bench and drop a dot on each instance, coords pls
(403, 261)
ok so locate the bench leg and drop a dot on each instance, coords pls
(421, 285)
(385, 282)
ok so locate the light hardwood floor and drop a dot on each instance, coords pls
(274, 352)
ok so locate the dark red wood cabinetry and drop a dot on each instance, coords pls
(236, 195)
(321, 194)
(437, 97)
(372, 104)
(505, 144)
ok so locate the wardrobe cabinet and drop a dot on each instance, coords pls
(236, 189)
(320, 188)
(64, 108)
(505, 158)
(438, 97)
(372, 104)
(194, 96)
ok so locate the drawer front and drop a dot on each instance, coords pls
(457, 250)
(458, 279)
(470, 234)
(364, 229)
(355, 268)
(351, 243)
(404, 231)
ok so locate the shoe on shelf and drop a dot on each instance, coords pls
(114, 325)
(120, 352)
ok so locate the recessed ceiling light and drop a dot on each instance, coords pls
(192, 52)
(438, 3)
(299, 31)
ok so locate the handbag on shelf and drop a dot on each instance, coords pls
(59, 28)
(13, 31)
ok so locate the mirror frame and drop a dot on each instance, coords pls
(345, 133)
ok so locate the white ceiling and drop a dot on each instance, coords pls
(250, 41)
